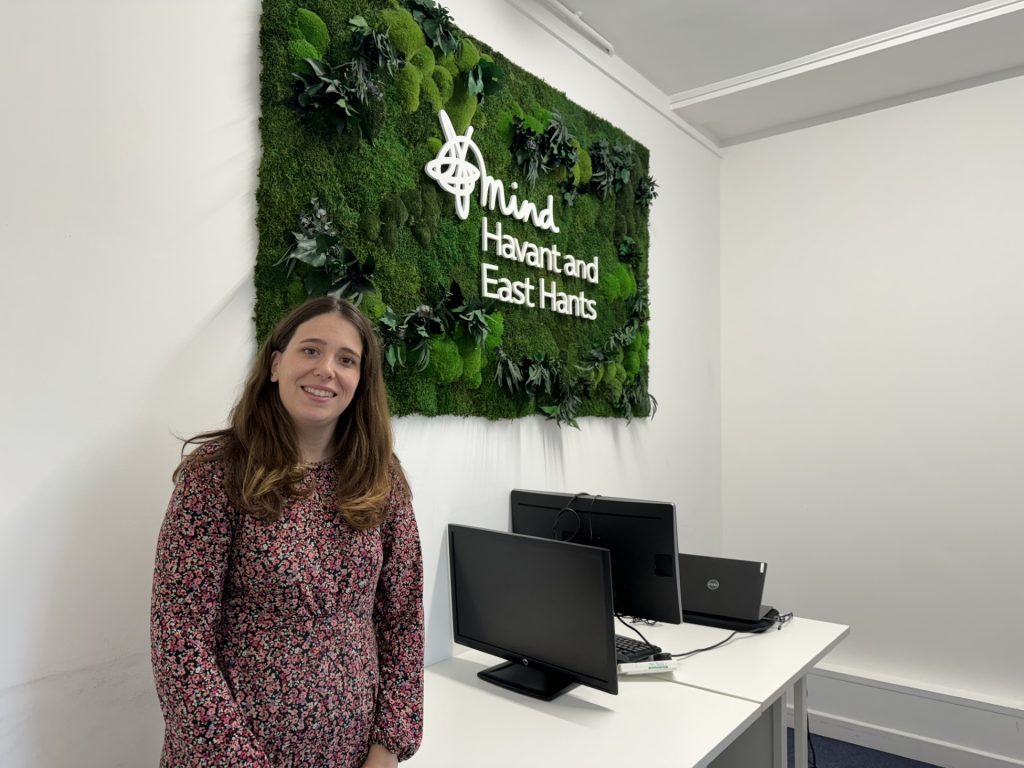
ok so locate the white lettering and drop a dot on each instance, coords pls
(555, 300)
(501, 288)
(458, 177)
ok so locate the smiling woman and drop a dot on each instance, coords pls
(287, 613)
(317, 374)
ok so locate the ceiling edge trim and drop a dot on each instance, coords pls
(872, 106)
(570, 38)
(854, 49)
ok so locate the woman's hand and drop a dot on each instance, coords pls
(379, 757)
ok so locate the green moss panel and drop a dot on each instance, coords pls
(385, 208)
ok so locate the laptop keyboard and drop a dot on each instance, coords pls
(628, 650)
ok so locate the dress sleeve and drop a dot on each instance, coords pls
(398, 617)
(204, 726)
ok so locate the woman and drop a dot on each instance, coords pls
(287, 615)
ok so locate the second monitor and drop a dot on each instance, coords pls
(641, 536)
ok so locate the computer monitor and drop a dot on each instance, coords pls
(546, 606)
(641, 536)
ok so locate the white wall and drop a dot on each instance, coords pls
(128, 153)
(872, 370)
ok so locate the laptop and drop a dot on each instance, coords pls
(722, 592)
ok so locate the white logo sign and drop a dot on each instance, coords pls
(457, 176)
(458, 167)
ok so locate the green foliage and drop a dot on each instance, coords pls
(629, 250)
(583, 170)
(423, 60)
(391, 222)
(437, 25)
(369, 225)
(627, 284)
(508, 373)
(611, 167)
(631, 362)
(346, 93)
(407, 85)
(445, 84)
(461, 107)
(448, 63)
(323, 88)
(485, 78)
(547, 150)
(373, 306)
(568, 402)
(467, 56)
(445, 360)
(609, 284)
(313, 30)
(373, 48)
(646, 191)
(326, 267)
(405, 33)
(472, 367)
(299, 51)
(496, 326)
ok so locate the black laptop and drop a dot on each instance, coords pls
(722, 592)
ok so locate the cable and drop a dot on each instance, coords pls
(579, 520)
(777, 621)
(630, 626)
(708, 648)
(813, 763)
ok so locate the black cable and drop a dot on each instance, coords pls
(813, 762)
(630, 626)
(709, 648)
(579, 519)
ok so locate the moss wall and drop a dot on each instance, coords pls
(371, 184)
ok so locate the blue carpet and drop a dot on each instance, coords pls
(838, 754)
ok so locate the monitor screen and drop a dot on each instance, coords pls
(546, 606)
(641, 536)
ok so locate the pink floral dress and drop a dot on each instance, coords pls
(294, 644)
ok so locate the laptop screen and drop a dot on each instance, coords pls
(719, 586)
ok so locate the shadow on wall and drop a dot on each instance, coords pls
(84, 562)
(461, 470)
(105, 716)
(76, 686)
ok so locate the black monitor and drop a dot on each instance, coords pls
(546, 606)
(641, 536)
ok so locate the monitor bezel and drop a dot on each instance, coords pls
(554, 668)
(665, 607)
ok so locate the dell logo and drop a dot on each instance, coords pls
(713, 584)
(526, 662)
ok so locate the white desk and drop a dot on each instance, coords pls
(757, 668)
(473, 724)
(727, 704)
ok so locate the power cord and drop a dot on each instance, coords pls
(708, 648)
(626, 624)
(813, 762)
(579, 520)
(778, 621)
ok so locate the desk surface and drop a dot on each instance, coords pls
(753, 667)
(469, 722)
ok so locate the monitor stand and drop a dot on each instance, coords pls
(542, 684)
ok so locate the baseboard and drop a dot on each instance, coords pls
(951, 731)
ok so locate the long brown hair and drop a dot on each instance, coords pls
(260, 449)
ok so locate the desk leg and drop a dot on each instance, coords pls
(779, 732)
(800, 723)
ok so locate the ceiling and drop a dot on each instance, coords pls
(738, 70)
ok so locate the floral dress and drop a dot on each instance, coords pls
(293, 644)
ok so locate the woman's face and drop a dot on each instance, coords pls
(318, 372)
